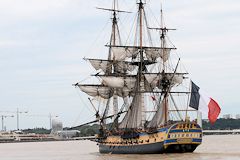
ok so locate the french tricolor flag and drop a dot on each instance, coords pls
(203, 103)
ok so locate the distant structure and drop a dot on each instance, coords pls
(68, 134)
(227, 116)
(58, 132)
(237, 116)
(57, 125)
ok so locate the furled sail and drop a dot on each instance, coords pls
(159, 117)
(123, 67)
(97, 90)
(119, 66)
(133, 118)
(177, 78)
(104, 91)
(100, 64)
(153, 53)
(121, 53)
(154, 79)
(119, 82)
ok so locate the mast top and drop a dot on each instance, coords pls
(113, 10)
(162, 29)
(141, 2)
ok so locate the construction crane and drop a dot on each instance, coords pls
(3, 117)
(17, 112)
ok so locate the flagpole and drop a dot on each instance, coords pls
(188, 101)
(199, 118)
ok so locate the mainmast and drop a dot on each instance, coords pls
(141, 67)
(114, 23)
(115, 31)
(163, 45)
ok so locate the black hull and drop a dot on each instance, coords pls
(155, 148)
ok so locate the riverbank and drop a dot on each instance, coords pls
(220, 147)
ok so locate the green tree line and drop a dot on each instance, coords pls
(91, 130)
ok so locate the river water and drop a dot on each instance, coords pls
(224, 147)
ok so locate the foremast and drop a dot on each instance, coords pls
(115, 33)
(136, 117)
(115, 39)
(109, 67)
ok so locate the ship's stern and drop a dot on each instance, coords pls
(183, 137)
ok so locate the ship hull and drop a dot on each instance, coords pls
(173, 139)
(136, 149)
(156, 148)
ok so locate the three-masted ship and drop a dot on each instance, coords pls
(146, 91)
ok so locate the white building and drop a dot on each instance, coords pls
(59, 133)
(237, 116)
(227, 116)
(56, 126)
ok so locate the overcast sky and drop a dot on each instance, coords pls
(42, 43)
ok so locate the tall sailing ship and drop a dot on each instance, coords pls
(145, 93)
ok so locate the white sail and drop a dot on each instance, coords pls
(155, 79)
(121, 53)
(159, 117)
(119, 66)
(123, 67)
(94, 91)
(119, 82)
(152, 54)
(177, 79)
(100, 64)
(133, 118)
